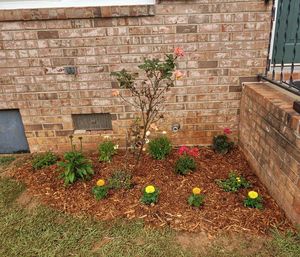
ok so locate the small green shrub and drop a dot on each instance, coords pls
(185, 164)
(44, 160)
(196, 200)
(106, 151)
(221, 144)
(5, 160)
(100, 191)
(233, 183)
(75, 166)
(253, 200)
(120, 179)
(160, 147)
(150, 195)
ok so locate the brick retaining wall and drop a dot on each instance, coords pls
(270, 138)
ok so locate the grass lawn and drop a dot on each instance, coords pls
(45, 232)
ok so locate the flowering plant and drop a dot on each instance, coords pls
(233, 183)
(196, 198)
(147, 95)
(253, 200)
(221, 143)
(194, 152)
(150, 195)
(100, 191)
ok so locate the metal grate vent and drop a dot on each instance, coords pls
(94, 121)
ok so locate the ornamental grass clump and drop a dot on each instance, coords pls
(221, 143)
(150, 195)
(196, 199)
(233, 183)
(100, 191)
(160, 147)
(44, 160)
(186, 162)
(107, 150)
(253, 200)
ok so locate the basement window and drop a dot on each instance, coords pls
(94, 121)
(37, 4)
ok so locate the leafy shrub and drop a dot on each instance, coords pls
(221, 144)
(106, 151)
(75, 166)
(185, 164)
(120, 179)
(196, 199)
(44, 160)
(233, 183)
(150, 195)
(100, 191)
(5, 160)
(160, 147)
(253, 200)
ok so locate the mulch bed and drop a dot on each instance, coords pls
(222, 211)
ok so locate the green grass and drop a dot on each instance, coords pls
(45, 233)
(6, 160)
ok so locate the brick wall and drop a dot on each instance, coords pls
(270, 138)
(223, 40)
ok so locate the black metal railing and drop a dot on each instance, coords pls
(283, 61)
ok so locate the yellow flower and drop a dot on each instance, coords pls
(238, 179)
(196, 191)
(253, 194)
(150, 189)
(100, 182)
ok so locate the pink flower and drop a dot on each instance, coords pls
(194, 152)
(178, 74)
(178, 51)
(183, 149)
(227, 131)
(115, 92)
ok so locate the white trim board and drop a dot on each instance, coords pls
(37, 4)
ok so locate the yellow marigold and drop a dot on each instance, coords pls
(100, 182)
(253, 194)
(150, 189)
(196, 191)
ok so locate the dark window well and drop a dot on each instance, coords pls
(94, 121)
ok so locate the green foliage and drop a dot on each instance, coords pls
(196, 200)
(149, 198)
(253, 203)
(44, 160)
(160, 147)
(106, 151)
(100, 192)
(125, 79)
(120, 179)
(5, 160)
(233, 183)
(221, 144)
(185, 164)
(166, 68)
(75, 166)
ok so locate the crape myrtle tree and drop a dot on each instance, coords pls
(147, 94)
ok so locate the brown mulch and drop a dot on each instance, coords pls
(222, 211)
